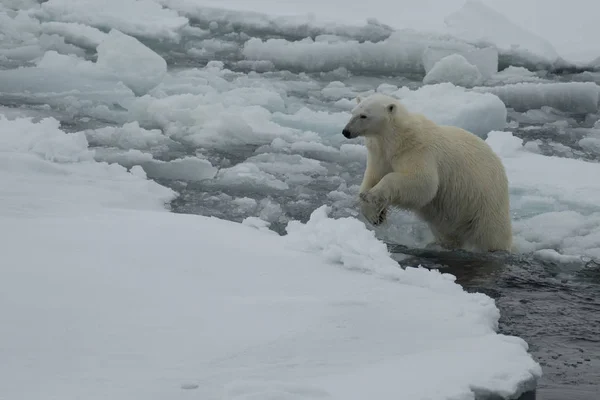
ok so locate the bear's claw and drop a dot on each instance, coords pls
(372, 209)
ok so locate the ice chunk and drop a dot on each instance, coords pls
(187, 169)
(513, 75)
(336, 90)
(591, 144)
(478, 23)
(576, 97)
(447, 104)
(75, 83)
(126, 158)
(323, 122)
(133, 63)
(294, 168)
(129, 136)
(80, 34)
(22, 40)
(558, 184)
(454, 69)
(257, 223)
(554, 256)
(248, 176)
(486, 59)
(144, 18)
(401, 53)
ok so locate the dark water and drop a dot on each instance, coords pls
(556, 312)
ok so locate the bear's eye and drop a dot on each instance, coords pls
(363, 116)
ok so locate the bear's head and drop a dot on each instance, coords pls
(371, 116)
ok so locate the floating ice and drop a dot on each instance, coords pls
(22, 39)
(248, 176)
(134, 64)
(126, 158)
(401, 53)
(79, 34)
(187, 168)
(135, 17)
(479, 24)
(591, 144)
(128, 136)
(558, 199)
(577, 97)
(294, 169)
(513, 75)
(447, 104)
(454, 69)
(295, 26)
(486, 60)
(75, 83)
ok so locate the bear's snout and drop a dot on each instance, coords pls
(347, 133)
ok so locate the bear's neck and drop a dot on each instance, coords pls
(397, 138)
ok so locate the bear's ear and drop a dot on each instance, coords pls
(358, 99)
(391, 108)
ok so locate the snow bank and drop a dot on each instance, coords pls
(479, 24)
(579, 97)
(447, 104)
(555, 199)
(454, 69)
(401, 53)
(135, 17)
(134, 64)
(147, 303)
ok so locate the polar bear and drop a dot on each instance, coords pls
(449, 177)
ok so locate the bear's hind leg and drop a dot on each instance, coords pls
(444, 240)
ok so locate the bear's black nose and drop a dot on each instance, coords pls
(346, 133)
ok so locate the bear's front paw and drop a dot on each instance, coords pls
(372, 208)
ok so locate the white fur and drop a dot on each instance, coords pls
(449, 177)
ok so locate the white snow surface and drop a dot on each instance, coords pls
(125, 300)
